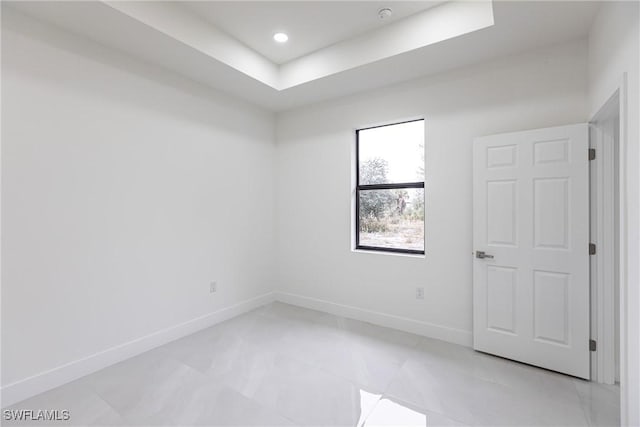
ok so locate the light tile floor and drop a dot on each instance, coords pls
(284, 365)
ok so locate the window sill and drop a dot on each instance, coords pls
(401, 254)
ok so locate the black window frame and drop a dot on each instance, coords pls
(403, 185)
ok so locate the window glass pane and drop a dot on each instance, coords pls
(392, 154)
(392, 218)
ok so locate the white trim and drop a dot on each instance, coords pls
(604, 138)
(399, 254)
(625, 328)
(431, 330)
(39, 383)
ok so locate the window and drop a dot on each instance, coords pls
(390, 188)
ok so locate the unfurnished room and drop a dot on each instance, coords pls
(320, 213)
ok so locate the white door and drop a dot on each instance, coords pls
(531, 219)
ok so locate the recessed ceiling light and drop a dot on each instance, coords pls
(280, 37)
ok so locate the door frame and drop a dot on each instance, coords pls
(620, 90)
(604, 212)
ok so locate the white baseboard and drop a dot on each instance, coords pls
(36, 384)
(31, 386)
(444, 333)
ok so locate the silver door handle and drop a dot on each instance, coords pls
(482, 255)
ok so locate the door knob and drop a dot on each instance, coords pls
(482, 255)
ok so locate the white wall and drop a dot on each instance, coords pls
(125, 191)
(614, 49)
(314, 166)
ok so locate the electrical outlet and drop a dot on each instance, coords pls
(419, 293)
(213, 287)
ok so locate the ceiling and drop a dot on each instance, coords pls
(336, 48)
(311, 25)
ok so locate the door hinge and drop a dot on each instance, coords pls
(592, 345)
(592, 248)
(592, 153)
